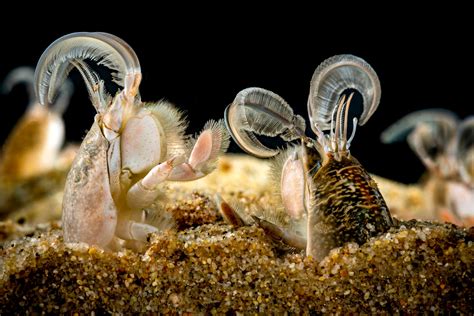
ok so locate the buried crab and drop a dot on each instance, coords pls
(32, 164)
(445, 146)
(129, 152)
(327, 194)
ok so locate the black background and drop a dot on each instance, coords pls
(200, 61)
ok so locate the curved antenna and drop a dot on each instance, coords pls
(26, 75)
(262, 112)
(19, 75)
(399, 130)
(464, 150)
(62, 101)
(332, 77)
(429, 133)
(102, 48)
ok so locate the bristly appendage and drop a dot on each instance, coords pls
(320, 182)
(262, 112)
(331, 79)
(430, 134)
(53, 68)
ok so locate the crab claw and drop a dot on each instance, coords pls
(262, 112)
(145, 191)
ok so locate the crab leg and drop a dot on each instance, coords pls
(280, 236)
(293, 183)
(145, 191)
(132, 230)
(228, 213)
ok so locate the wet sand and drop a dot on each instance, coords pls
(206, 266)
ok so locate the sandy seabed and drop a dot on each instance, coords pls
(208, 267)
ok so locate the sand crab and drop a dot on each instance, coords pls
(322, 186)
(131, 149)
(35, 142)
(32, 164)
(445, 145)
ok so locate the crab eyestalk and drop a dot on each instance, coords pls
(337, 142)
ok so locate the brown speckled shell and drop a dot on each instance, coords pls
(347, 206)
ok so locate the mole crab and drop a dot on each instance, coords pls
(34, 144)
(327, 194)
(131, 149)
(445, 146)
(33, 165)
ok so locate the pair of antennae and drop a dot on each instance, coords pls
(72, 50)
(257, 111)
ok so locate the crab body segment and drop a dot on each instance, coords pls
(348, 206)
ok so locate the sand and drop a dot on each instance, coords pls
(205, 266)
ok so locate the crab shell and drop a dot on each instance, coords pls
(130, 150)
(340, 200)
(87, 193)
